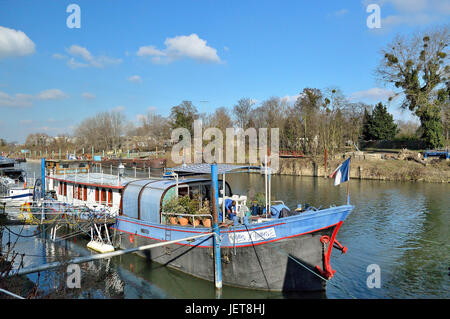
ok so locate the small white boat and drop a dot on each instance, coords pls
(14, 190)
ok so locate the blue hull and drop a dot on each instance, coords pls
(281, 254)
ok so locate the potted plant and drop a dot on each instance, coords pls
(174, 207)
(205, 210)
(260, 201)
(184, 208)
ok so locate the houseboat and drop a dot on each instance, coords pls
(91, 189)
(280, 249)
(61, 167)
(14, 190)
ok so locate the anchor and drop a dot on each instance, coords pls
(327, 272)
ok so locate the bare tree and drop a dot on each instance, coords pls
(242, 112)
(102, 131)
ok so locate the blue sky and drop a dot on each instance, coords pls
(136, 56)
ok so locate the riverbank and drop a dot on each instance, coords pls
(369, 166)
(435, 171)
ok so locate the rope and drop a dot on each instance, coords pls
(20, 235)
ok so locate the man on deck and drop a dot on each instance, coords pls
(230, 209)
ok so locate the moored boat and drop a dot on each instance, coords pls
(14, 190)
(279, 249)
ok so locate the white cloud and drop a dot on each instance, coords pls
(87, 59)
(52, 94)
(76, 50)
(139, 118)
(291, 99)
(373, 94)
(411, 12)
(135, 79)
(191, 46)
(59, 56)
(18, 100)
(340, 12)
(150, 50)
(15, 43)
(88, 96)
(26, 100)
(119, 108)
(75, 64)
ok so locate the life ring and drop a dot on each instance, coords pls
(131, 238)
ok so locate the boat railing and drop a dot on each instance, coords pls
(193, 216)
(71, 170)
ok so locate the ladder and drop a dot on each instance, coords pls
(167, 236)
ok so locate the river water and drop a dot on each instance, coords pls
(398, 228)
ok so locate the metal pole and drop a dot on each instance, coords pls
(223, 198)
(215, 208)
(265, 180)
(348, 184)
(11, 294)
(84, 259)
(270, 191)
(43, 176)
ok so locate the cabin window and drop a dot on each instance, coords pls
(110, 195)
(60, 188)
(85, 193)
(65, 189)
(183, 190)
(96, 195)
(103, 196)
(227, 189)
(120, 205)
(195, 192)
(80, 192)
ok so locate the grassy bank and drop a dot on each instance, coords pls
(437, 171)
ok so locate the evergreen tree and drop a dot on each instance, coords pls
(184, 115)
(379, 125)
(365, 126)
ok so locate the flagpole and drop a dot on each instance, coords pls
(348, 182)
